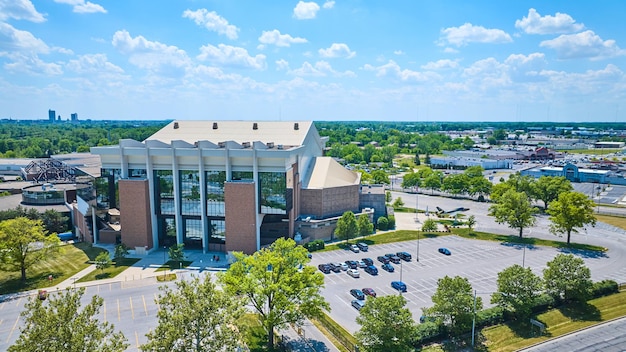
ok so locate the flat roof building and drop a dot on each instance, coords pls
(219, 185)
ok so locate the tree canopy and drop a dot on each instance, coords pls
(566, 277)
(347, 227)
(24, 242)
(364, 225)
(515, 210)
(518, 288)
(278, 284)
(571, 211)
(548, 188)
(386, 325)
(454, 303)
(209, 317)
(59, 324)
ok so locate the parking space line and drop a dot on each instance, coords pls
(17, 301)
(136, 339)
(132, 312)
(13, 328)
(119, 317)
(104, 311)
(145, 307)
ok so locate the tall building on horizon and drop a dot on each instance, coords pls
(74, 117)
(52, 115)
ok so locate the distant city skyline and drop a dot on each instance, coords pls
(405, 60)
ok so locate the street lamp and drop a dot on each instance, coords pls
(400, 270)
(165, 271)
(474, 313)
(418, 246)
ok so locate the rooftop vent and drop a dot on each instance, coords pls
(280, 146)
(245, 144)
(270, 144)
(175, 125)
(255, 126)
(296, 126)
(214, 125)
(221, 144)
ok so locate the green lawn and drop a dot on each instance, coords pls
(408, 235)
(115, 269)
(72, 259)
(613, 220)
(174, 265)
(602, 151)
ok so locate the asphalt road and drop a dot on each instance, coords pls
(608, 337)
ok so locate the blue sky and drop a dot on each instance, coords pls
(402, 60)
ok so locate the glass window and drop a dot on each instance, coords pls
(190, 192)
(164, 182)
(218, 231)
(215, 192)
(273, 186)
(242, 176)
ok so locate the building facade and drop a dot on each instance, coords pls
(219, 186)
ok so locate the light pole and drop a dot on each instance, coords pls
(524, 257)
(400, 270)
(164, 272)
(474, 313)
(418, 246)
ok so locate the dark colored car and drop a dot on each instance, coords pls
(383, 259)
(444, 250)
(404, 256)
(352, 264)
(372, 270)
(334, 267)
(325, 268)
(369, 291)
(399, 285)
(388, 267)
(362, 246)
(368, 261)
(393, 258)
(358, 294)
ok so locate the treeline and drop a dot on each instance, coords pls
(36, 139)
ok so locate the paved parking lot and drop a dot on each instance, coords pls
(479, 261)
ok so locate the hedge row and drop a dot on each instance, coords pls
(314, 245)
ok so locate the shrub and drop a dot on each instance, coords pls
(314, 245)
(604, 288)
(428, 332)
(490, 316)
(382, 223)
(391, 222)
(543, 303)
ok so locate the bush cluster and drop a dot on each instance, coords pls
(314, 245)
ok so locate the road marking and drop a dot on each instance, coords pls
(145, 307)
(136, 339)
(104, 310)
(13, 329)
(119, 318)
(17, 301)
(132, 312)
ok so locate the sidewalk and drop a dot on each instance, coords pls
(310, 339)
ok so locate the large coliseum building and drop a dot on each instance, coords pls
(219, 186)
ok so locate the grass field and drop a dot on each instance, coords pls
(408, 235)
(613, 220)
(603, 151)
(72, 259)
(115, 269)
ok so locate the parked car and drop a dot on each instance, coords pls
(341, 266)
(352, 264)
(336, 267)
(362, 246)
(393, 258)
(325, 268)
(388, 267)
(358, 304)
(354, 273)
(361, 264)
(358, 294)
(369, 291)
(372, 270)
(368, 261)
(383, 259)
(404, 256)
(42, 294)
(354, 248)
(444, 250)
(398, 285)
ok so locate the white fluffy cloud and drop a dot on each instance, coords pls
(337, 50)
(149, 54)
(559, 23)
(231, 56)
(329, 4)
(32, 65)
(440, 65)
(13, 40)
(320, 69)
(468, 33)
(283, 40)
(19, 10)
(306, 10)
(93, 63)
(213, 22)
(82, 6)
(393, 70)
(586, 44)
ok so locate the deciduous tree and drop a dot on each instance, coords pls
(471, 222)
(103, 261)
(572, 210)
(59, 324)
(454, 303)
(176, 253)
(195, 316)
(347, 227)
(566, 277)
(518, 288)
(548, 188)
(386, 325)
(429, 225)
(23, 242)
(278, 284)
(514, 209)
(365, 225)
(121, 251)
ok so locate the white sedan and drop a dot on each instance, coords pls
(353, 272)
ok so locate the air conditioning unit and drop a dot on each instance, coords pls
(245, 144)
(280, 146)
(270, 144)
(221, 144)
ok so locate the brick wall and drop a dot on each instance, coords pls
(240, 217)
(135, 213)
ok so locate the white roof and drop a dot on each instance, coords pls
(327, 173)
(278, 132)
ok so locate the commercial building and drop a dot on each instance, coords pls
(218, 186)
